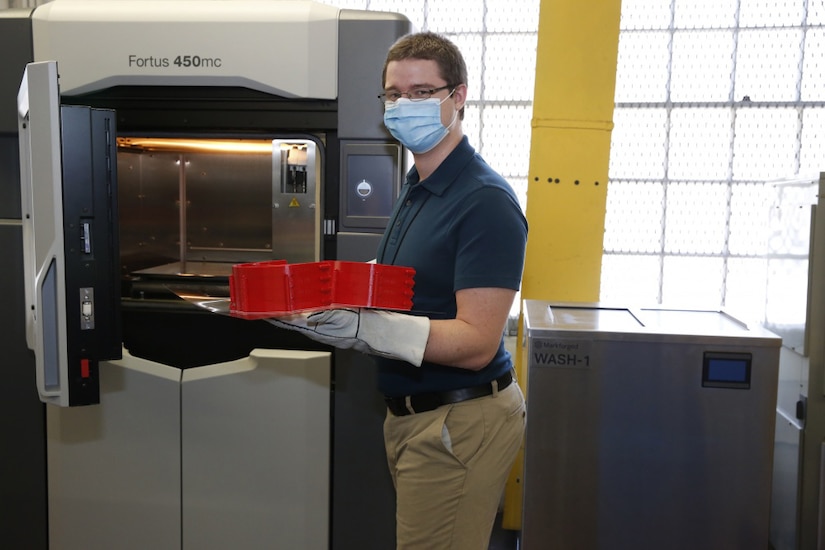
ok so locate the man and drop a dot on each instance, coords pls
(455, 416)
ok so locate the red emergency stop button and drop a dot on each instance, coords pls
(84, 368)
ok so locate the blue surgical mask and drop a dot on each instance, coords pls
(416, 124)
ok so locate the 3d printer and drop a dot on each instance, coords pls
(245, 131)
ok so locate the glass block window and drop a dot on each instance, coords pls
(713, 98)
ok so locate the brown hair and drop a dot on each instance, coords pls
(433, 47)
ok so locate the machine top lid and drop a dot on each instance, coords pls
(599, 321)
(284, 47)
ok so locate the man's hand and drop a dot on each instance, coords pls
(373, 331)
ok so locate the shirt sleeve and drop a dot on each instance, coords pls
(492, 237)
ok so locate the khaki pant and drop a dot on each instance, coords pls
(449, 467)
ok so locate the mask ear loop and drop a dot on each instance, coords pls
(455, 112)
(455, 117)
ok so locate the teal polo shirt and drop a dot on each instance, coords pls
(460, 228)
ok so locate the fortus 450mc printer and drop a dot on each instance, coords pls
(231, 132)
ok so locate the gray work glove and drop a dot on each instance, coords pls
(373, 331)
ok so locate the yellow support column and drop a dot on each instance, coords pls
(569, 157)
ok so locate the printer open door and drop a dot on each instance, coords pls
(68, 183)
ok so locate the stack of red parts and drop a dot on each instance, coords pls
(276, 288)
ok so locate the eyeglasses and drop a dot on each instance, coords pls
(416, 94)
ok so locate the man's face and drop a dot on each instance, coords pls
(408, 74)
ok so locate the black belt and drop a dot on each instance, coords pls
(430, 401)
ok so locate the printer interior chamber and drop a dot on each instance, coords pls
(195, 206)
(209, 177)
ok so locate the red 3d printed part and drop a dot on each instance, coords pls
(270, 289)
(380, 286)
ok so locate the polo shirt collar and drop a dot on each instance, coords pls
(447, 172)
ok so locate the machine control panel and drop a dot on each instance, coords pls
(726, 370)
(372, 177)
